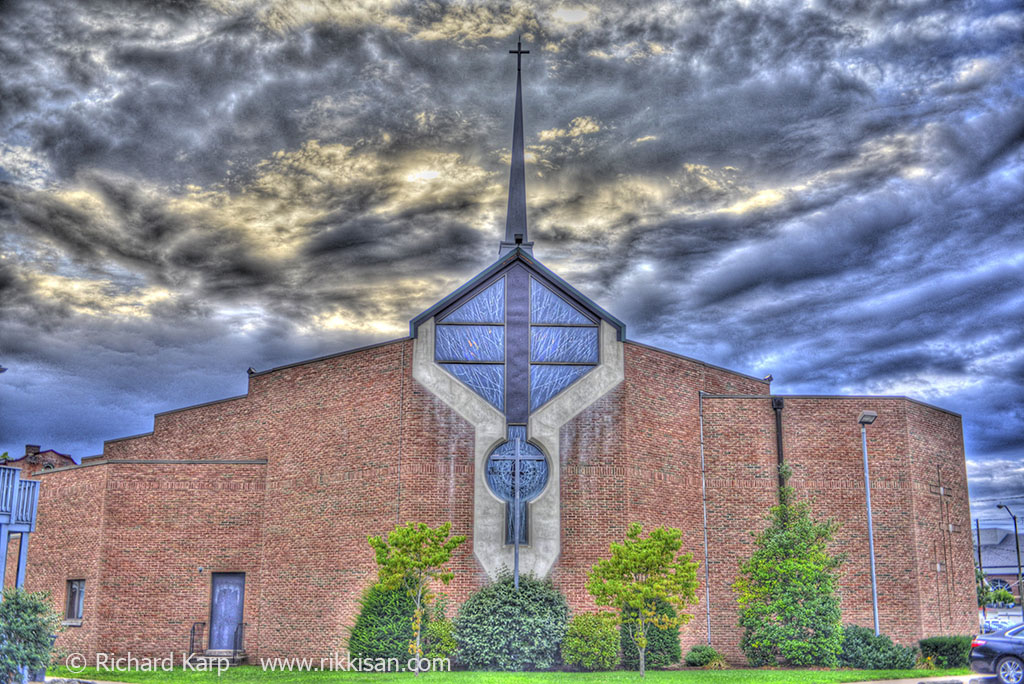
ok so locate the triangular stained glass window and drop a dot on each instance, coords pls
(547, 381)
(487, 380)
(486, 307)
(547, 307)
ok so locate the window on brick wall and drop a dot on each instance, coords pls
(76, 598)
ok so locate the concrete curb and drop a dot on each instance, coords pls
(960, 679)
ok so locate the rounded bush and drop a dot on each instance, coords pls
(701, 655)
(500, 628)
(383, 628)
(947, 651)
(662, 644)
(591, 643)
(865, 651)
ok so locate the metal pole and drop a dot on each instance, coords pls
(981, 568)
(516, 522)
(1020, 585)
(871, 531)
(1016, 540)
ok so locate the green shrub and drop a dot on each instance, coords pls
(383, 628)
(439, 632)
(947, 651)
(701, 655)
(717, 663)
(865, 651)
(786, 590)
(592, 642)
(662, 644)
(440, 639)
(500, 628)
(27, 625)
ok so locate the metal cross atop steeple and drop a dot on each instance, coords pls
(519, 52)
(515, 219)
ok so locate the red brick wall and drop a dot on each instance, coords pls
(634, 456)
(10, 577)
(742, 481)
(67, 544)
(948, 599)
(353, 444)
(161, 525)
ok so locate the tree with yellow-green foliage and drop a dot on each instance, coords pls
(413, 556)
(641, 572)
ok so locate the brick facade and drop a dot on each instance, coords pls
(286, 482)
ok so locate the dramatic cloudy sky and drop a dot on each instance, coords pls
(829, 191)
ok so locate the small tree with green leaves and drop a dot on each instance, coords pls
(640, 572)
(27, 625)
(414, 555)
(986, 594)
(786, 590)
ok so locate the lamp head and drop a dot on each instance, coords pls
(867, 417)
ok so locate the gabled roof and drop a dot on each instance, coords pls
(532, 264)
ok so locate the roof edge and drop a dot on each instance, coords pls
(518, 254)
(698, 361)
(859, 397)
(326, 357)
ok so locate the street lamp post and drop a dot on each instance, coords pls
(1016, 539)
(867, 418)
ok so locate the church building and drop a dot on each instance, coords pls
(519, 410)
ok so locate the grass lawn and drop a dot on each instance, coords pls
(256, 674)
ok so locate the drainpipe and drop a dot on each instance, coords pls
(704, 506)
(777, 405)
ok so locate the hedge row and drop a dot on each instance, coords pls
(499, 628)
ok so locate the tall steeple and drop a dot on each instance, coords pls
(515, 219)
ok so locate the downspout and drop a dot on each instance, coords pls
(777, 405)
(704, 506)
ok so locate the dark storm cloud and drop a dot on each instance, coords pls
(827, 192)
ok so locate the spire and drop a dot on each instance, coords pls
(515, 219)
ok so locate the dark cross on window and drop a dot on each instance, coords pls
(519, 52)
(518, 457)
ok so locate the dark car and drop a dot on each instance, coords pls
(1000, 653)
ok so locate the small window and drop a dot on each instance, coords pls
(76, 596)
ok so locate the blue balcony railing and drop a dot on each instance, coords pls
(9, 478)
(18, 500)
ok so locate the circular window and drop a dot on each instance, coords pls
(512, 460)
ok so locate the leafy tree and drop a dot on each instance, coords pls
(413, 555)
(641, 571)
(786, 590)
(662, 644)
(27, 625)
(986, 594)
(984, 588)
